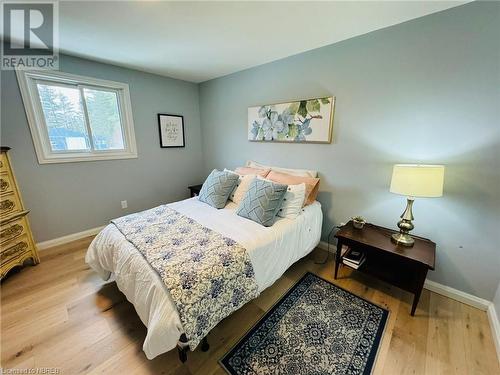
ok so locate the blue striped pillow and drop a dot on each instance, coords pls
(262, 201)
(217, 187)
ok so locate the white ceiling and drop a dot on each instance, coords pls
(198, 41)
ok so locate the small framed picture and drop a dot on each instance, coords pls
(171, 130)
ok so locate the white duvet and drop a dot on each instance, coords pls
(272, 251)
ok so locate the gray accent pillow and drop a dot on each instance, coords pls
(217, 187)
(262, 201)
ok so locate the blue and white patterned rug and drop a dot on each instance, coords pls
(316, 328)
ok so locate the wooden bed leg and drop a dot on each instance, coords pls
(182, 354)
(204, 345)
(182, 350)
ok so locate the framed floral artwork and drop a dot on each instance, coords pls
(303, 121)
(171, 129)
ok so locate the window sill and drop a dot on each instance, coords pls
(52, 159)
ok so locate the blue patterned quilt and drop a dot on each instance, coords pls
(209, 276)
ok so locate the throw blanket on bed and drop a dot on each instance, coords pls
(208, 275)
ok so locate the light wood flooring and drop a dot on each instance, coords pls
(60, 314)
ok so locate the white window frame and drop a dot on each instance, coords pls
(36, 119)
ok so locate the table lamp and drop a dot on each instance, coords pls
(414, 180)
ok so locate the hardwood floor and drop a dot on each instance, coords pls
(60, 314)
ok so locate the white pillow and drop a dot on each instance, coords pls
(241, 187)
(293, 201)
(293, 172)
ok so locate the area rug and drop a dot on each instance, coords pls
(315, 328)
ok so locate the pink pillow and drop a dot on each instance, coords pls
(248, 170)
(312, 184)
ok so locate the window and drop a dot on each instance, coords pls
(74, 118)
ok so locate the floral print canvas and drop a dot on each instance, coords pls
(309, 120)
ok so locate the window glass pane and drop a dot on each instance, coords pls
(64, 117)
(104, 118)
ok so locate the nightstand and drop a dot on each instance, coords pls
(404, 267)
(194, 190)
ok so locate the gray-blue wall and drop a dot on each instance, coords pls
(424, 91)
(71, 197)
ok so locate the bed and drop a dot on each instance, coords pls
(272, 250)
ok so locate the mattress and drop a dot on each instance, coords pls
(272, 250)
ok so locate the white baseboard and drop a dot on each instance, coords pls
(494, 319)
(68, 238)
(471, 300)
(458, 295)
(435, 287)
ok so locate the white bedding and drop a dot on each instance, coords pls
(272, 251)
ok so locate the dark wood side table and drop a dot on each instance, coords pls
(404, 267)
(194, 190)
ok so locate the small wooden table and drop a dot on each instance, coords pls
(404, 267)
(195, 190)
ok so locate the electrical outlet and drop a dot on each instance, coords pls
(124, 204)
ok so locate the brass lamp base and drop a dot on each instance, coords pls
(405, 226)
(402, 239)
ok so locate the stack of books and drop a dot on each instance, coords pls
(354, 258)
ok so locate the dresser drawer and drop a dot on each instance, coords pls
(13, 230)
(9, 204)
(14, 249)
(5, 183)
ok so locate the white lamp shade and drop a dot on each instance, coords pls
(415, 180)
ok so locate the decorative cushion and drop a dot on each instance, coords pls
(293, 172)
(217, 187)
(257, 171)
(244, 184)
(262, 201)
(293, 201)
(228, 170)
(241, 186)
(231, 195)
(312, 184)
